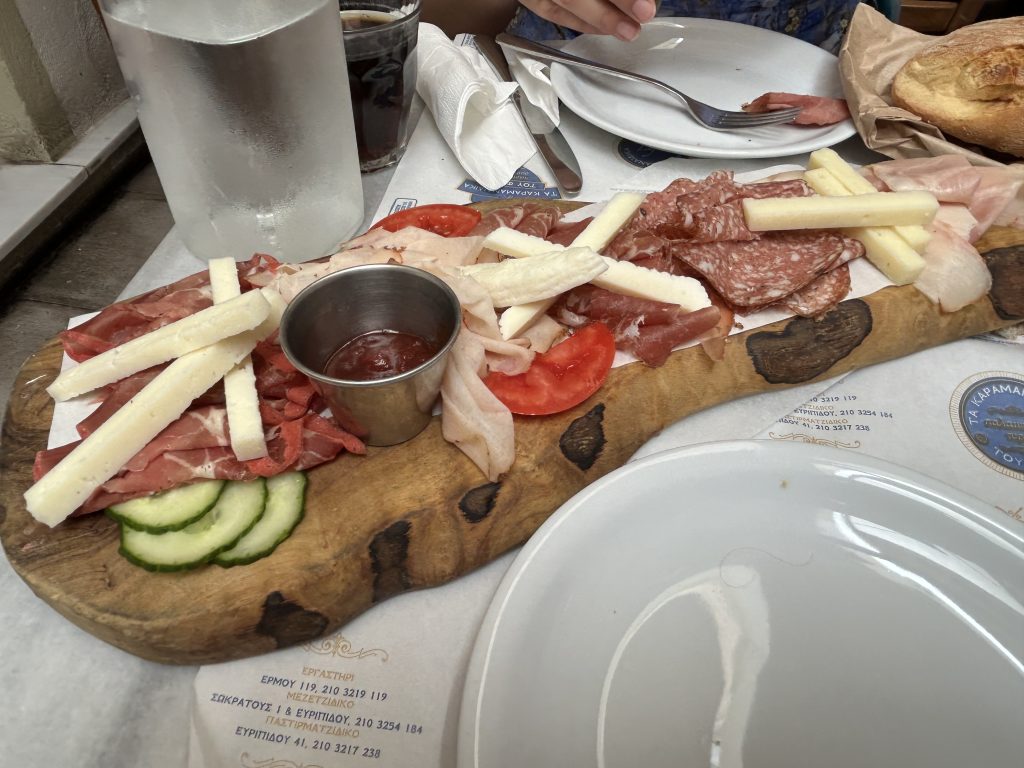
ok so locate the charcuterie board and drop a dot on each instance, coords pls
(420, 514)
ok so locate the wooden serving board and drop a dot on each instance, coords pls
(421, 514)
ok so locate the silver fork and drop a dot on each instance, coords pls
(708, 116)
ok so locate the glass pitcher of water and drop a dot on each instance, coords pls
(246, 109)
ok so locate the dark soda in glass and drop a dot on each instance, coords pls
(380, 49)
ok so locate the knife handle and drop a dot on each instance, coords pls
(569, 181)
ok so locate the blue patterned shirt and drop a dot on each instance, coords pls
(821, 22)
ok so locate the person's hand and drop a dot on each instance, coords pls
(621, 18)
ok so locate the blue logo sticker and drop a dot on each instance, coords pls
(524, 183)
(641, 155)
(988, 416)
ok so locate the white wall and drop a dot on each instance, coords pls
(72, 45)
(58, 77)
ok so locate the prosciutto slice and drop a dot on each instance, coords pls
(648, 329)
(196, 446)
(814, 110)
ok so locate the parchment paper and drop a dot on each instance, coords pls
(872, 53)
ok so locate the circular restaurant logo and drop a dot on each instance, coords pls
(641, 155)
(987, 411)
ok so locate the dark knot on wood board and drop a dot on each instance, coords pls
(808, 347)
(583, 439)
(1007, 268)
(288, 623)
(388, 552)
(477, 503)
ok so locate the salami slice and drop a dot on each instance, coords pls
(760, 272)
(709, 225)
(821, 294)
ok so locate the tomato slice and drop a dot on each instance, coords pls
(440, 218)
(564, 376)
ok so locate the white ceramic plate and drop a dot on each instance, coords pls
(758, 604)
(721, 63)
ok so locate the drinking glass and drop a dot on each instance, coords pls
(380, 49)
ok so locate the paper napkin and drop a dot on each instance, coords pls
(471, 109)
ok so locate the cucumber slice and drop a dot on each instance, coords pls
(238, 509)
(171, 510)
(286, 496)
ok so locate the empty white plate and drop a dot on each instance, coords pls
(755, 604)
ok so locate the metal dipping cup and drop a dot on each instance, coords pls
(358, 300)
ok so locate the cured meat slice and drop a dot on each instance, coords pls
(648, 329)
(189, 450)
(634, 244)
(506, 216)
(539, 220)
(760, 272)
(948, 177)
(712, 224)
(814, 110)
(125, 320)
(564, 232)
(821, 294)
(954, 273)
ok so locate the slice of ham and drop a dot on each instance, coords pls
(954, 274)
(949, 177)
(814, 110)
(987, 191)
(473, 418)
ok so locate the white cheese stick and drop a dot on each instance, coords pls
(627, 278)
(609, 221)
(512, 242)
(104, 452)
(889, 252)
(245, 425)
(520, 281)
(518, 318)
(917, 237)
(621, 277)
(198, 330)
(878, 209)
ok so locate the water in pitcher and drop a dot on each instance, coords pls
(246, 110)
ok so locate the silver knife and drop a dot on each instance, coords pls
(552, 145)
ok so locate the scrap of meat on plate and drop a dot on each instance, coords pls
(814, 110)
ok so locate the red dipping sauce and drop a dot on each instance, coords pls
(379, 355)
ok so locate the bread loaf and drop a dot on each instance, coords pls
(970, 84)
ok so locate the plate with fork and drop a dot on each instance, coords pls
(720, 63)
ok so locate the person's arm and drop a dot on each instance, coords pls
(621, 18)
